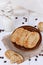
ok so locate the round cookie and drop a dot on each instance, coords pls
(40, 26)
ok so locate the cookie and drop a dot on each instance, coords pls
(40, 26)
(25, 38)
(13, 56)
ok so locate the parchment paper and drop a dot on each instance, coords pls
(26, 54)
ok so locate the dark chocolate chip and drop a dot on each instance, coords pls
(2, 57)
(35, 26)
(22, 22)
(36, 18)
(1, 30)
(0, 48)
(29, 59)
(25, 19)
(5, 61)
(16, 17)
(40, 54)
(35, 59)
(37, 56)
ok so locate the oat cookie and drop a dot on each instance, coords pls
(40, 26)
(13, 56)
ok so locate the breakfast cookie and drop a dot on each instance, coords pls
(40, 26)
(25, 38)
(13, 56)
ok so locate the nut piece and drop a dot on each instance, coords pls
(40, 26)
(13, 56)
